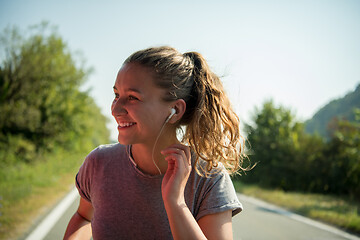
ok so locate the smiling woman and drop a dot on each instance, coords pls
(137, 107)
(152, 185)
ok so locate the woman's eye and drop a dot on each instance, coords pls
(116, 95)
(132, 98)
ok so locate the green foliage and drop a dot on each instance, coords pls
(41, 103)
(27, 188)
(343, 152)
(47, 124)
(274, 137)
(290, 159)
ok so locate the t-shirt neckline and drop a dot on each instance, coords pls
(136, 168)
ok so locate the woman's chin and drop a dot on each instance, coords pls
(124, 141)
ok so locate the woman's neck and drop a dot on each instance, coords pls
(145, 155)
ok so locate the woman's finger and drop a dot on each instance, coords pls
(178, 155)
(179, 149)
(186, 150)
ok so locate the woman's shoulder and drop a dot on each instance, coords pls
(107, 151)
(201, 175)
(109, 147)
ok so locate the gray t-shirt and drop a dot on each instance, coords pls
(128, 203)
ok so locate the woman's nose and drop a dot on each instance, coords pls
(117, 108)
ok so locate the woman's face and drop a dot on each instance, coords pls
(138, 107)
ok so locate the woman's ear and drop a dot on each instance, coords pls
(180, 106)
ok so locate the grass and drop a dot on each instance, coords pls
(27, 191)
(335, 210)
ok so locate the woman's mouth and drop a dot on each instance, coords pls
(125, 125)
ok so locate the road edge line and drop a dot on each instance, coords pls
(50, 220)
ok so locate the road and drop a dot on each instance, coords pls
(259, 220)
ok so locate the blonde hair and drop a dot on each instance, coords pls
(212, 127)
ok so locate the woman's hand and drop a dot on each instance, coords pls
(173, 185)
(182, 223)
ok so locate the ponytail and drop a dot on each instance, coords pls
(214, 129)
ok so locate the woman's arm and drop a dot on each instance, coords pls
(217, 226)
(79, 226)
(182, 223)
(213, 226)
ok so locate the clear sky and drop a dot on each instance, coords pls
(302, 54)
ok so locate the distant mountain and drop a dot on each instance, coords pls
(340, 108)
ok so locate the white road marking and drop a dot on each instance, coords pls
(50, 220)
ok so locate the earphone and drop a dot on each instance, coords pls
(173, 111)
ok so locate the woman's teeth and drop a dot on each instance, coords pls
(126, 124)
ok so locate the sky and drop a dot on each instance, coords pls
(300, 54)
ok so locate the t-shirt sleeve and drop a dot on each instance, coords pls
(220, 196)
(84, 176)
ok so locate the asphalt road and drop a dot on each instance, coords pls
(261, 220)
(258, 220)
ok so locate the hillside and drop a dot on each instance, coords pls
(340, 108)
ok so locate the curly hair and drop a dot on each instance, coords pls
(211, 125)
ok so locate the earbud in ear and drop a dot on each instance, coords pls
(173, 111)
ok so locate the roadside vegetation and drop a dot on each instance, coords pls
(288, 158)
(312, 175)
(29, 191)
(47, 123)
(339, 211)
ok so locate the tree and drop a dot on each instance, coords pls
(41, 103)
(274, 137)
(343, 154)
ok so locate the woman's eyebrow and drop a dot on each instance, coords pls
(129, 90)
(133, 90)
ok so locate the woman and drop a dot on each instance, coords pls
(151, 185)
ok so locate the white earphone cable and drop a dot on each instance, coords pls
(157, 138)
